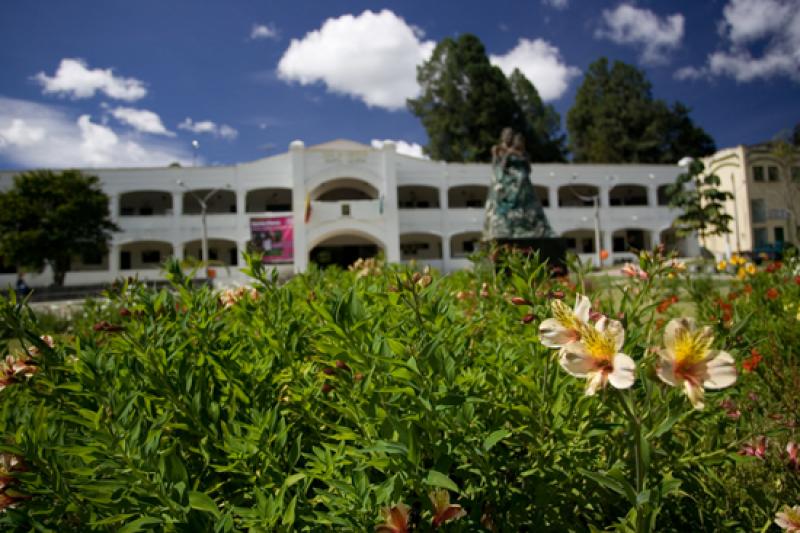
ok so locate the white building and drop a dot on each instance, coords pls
(361, 199)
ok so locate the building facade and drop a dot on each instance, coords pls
(345, 196)
(766, 198)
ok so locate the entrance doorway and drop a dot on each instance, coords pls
(343, 250)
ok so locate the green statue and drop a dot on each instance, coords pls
(513, 210)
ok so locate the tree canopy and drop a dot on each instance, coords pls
(701, 203)
(47, 218)
(615, 119)
(465, 102)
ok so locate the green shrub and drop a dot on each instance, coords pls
(312, 405)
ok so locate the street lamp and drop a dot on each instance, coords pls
(595, 199)
(195, 148)
(203, 207)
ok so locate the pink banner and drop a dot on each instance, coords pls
(274, 237)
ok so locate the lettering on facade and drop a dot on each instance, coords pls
(348, 158)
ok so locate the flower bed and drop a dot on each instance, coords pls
(384, 398)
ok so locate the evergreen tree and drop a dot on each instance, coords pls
(701, 202)
(616, 120)
(542, 122)
(50, 217)
(465, 102)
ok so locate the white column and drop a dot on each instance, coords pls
(391, 226)
(443, 195)
(445, 253)
(113, 260)
(297, 171)
(608, 245)
(113, 206)
(177, 231)
(604, 199)
(552, 196)
(652, 195)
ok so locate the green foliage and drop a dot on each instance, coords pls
(309, 406)
(616, 120)
(47, 218)
(697, 194)
(465, 102)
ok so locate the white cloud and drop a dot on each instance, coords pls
(402, 147)
(264, 31)
(206, 126)
(20, 133)
(557, 4)
(75, 79)
(36, 135)
(627, 24)
(372, 57)
(542, 64)
(141, 120)
(761, 40)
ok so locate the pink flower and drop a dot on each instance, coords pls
(791, 449)
(443, 510)
(789, 518)
(633, 271)
(758, 450)
(395, 519)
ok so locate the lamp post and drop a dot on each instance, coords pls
(203, 208)
(595, 199)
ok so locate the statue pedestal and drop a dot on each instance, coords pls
(552, 249)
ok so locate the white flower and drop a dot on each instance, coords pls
(566, 324)
(597, 357)
(687, 360)
(789, 518)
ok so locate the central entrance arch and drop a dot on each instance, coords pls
(344, 249)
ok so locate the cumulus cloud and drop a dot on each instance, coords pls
(141, 120)
(541, 63)
(402, 147)
(628, 24)
(36, 135)
(372, 57)
(74, 78)
(207, 126)
(557, 4)
(263, 31)
(760, 40)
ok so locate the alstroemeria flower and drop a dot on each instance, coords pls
(687, 360)
(597, 357)
(395, 519)
(442, 508)
(566, 324)
(789, 518)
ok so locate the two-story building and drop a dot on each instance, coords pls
(344, 200)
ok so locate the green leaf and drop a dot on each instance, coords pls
(494, 438)
(294, 478)
(437, 479)
(203, 502)
(136, 525)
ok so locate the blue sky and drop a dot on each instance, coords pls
(120, 83)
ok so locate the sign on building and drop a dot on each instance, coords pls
(274, 237)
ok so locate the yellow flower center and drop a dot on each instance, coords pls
(564, 315)
(691, 347)
(601, 345)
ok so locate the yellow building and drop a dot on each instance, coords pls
(765, 182)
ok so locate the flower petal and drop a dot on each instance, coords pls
(576, 361)
(596, 380)
(553, 335)
(721, 370)
(695, 393)
(583, 305)
(675, 327)
(666, 371)
(624, 372)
